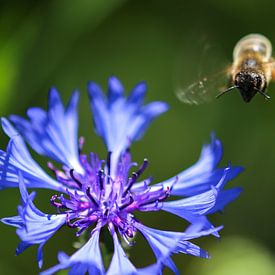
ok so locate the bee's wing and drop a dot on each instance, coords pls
(203, 90)
(201, 74)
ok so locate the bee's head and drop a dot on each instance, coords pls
(249, 83)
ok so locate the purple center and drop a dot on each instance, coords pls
(96, 196)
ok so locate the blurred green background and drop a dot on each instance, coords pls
(66, 43)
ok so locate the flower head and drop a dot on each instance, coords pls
(91, 194)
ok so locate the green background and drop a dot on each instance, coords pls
(66, 43)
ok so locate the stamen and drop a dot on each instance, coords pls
(54, 203)
(132, 180)
(106, 212)
(127, 204)
(78, 233)
(68, 222)
(161, 198)
(100, 177)
(166, 195)
(142, 167)
(135, 176)
(91, 197)
(74, 178)
(86, 203)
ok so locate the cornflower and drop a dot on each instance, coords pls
(92, 195)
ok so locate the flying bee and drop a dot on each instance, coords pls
(252, 68)
(251, 71)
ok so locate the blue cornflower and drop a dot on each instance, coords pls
(90, 193)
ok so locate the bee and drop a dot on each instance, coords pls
(251, 71)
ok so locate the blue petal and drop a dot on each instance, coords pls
(120, 263)
(138, 94)
(86, 259)
(164, 243)
(17, 158)
(115, 89)
(15, 221)
(202, 175)
(53, 133)
(120, 120)
(33, 226)
(195, 207)
(224, 198)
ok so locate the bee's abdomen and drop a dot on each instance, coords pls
(253, 44)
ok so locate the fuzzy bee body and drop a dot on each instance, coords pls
(252, 66)
(250, 72)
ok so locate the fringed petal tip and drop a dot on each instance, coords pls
(121, 120)
(33, 226)
(204, 173)
(18, 159)
(115, 88)
(86, 260)
(8, 128)
(47, 132)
